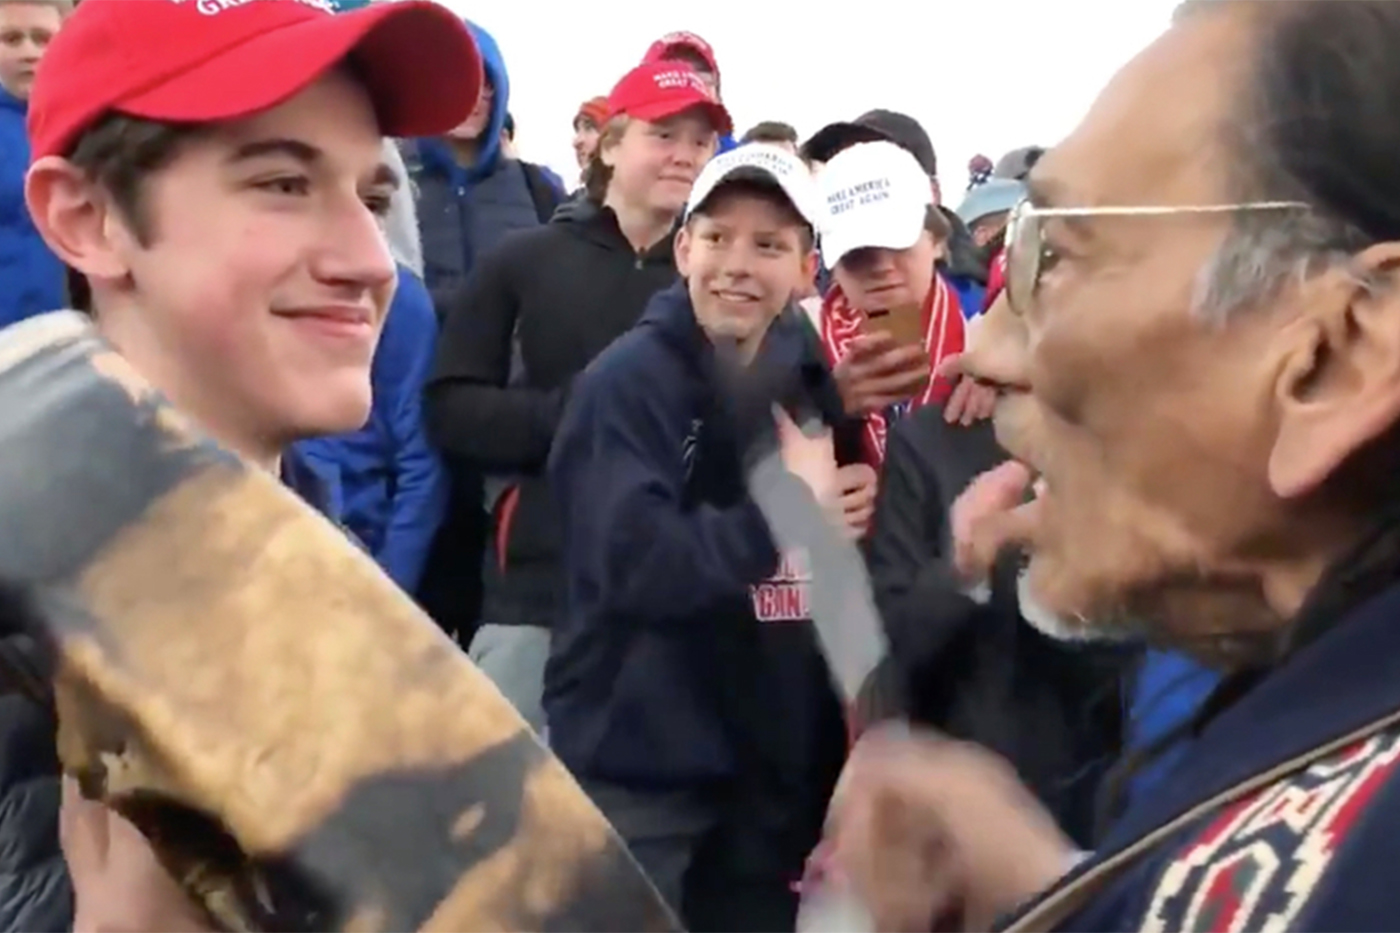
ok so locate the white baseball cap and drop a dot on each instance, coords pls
(874, 195)
(764, 163)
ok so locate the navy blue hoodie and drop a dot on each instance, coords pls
(662, 674)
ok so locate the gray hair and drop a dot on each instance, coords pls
(401, 223)
(1282, 143)
(1265, 253)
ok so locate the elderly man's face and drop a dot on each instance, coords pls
(1153, 427)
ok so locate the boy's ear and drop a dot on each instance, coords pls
(77, 223)
(810, 265)
(682, 250)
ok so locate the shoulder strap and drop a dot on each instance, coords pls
(1059, 905)
(544, 195)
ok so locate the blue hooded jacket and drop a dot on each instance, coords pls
(387, 485)
(494, 64)
(33, 276)
(465, 210)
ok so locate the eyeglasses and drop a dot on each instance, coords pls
(1026, 252)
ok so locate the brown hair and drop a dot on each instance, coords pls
(770, 131)
(937, 224)
(598, 174)
(119, 154)
(751, 188)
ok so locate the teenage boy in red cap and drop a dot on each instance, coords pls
(532, 315)
(212, 172)
(690, 49)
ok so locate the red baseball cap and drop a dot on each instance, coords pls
(662, 49)
(205, 61)
(657, 90)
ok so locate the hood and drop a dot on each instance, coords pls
(495, 67)
(401, 224)
(780, 355)
(9, 101)
(670, 313)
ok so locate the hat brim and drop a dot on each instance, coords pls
(894, 230)
(834, 137)
(664, 110)
(419, 63)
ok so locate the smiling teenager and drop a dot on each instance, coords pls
(532, 315)
(685, 689)
(213, 175)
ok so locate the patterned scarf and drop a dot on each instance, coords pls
(943, 337)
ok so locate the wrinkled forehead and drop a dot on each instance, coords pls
(1158, 134)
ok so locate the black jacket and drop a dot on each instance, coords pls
(35, 893)
(682, 659)
(533, 314)
(979, 671)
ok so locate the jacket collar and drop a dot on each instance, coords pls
(1347, 678)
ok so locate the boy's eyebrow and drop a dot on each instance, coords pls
(308, 155)
(300, 151)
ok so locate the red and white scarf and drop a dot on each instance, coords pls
(943, 337)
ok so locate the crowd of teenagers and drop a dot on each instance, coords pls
(1115, 437)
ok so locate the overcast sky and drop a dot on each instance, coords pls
(981, 75)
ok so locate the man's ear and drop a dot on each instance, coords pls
(1337, 387)
(682, 251)
(74, 218)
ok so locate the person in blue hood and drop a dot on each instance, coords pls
(31, 274)
(471, 193)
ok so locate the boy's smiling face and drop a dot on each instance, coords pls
(254, 291)
(744, 256)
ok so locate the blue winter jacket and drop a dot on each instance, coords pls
(388, 485)
(464, 211)
(31, 277)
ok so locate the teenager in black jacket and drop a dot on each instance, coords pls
(533, 314)
(967, 662)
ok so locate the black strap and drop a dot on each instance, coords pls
(545, 196)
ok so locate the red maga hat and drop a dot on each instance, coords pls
(204, 61)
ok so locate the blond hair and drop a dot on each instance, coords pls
(598, 174)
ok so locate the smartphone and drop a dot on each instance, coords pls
(904, 322)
